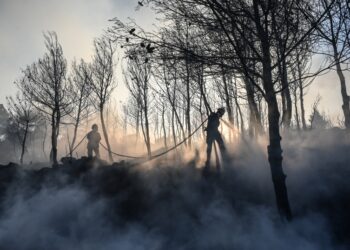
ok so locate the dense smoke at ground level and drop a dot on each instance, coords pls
(92, 205)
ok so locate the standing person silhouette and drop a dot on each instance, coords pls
(94, 139)
(213, 135)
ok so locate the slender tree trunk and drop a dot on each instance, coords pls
(237, 117)
(71, 146)
(188, 104)
(58, 122)
(147, 137)
(105, 134)
(137, 125)
(145, 110)
(76, 125)
(24, 141)
(296, 108)
(274, 149)
(44, 141)
(285, 93)
(287, 111)
(54, 139)
(188, 94)
(173, 126)
(344, 94)
(301, 94)
(156, 129)
(302, 107)
(227, 98)
(163, 126)
(145, 133)
(143, 127)
(239, 110)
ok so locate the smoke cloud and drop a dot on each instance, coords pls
(169, 206)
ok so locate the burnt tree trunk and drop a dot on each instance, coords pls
(274, 148)
(344, 94)
(227, 98)
(76, 125)
(44, 142)
(301, 94)
(286, 96)
(163, 126)
(188, 104)
(54, 129)
(173, 126)
(147, 136)
(297, 120)
(105, 134)
(24, 141)
(239, 110)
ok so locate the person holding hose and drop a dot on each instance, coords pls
(213, 135)
(94, 139)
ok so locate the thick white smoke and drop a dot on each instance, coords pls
(174, 207)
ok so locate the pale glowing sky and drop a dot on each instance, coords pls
(77, 23)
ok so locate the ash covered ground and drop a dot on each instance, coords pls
(88, 204)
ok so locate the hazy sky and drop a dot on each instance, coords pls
(77, 22)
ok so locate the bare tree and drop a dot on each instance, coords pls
(335, 37)
(139, 72)
(102, 82)
(45, 86)
(166, 73)
(301, 79)
(80, 94)
(23, 113)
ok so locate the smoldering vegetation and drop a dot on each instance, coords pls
(87, 204)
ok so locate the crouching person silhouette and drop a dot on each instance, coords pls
(94, 139)
(213, 135)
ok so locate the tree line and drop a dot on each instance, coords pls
(48, 92)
